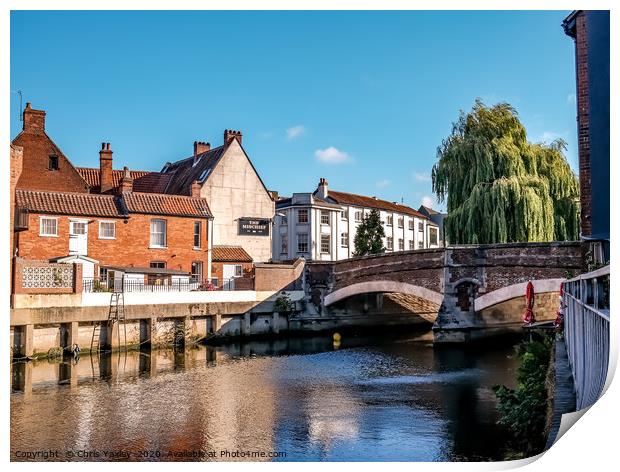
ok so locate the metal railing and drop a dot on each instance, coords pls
(96, 284)
(586, 331)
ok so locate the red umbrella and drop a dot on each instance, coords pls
(528, 316)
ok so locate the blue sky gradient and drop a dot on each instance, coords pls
(360, 98)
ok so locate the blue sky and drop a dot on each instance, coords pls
(360, 98)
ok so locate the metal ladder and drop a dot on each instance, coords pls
(116, 313)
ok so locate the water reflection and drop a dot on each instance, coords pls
(372, 399)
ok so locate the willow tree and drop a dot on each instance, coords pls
(500, 187)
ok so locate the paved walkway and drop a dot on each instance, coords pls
(564, 398)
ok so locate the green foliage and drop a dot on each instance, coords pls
(500, 187)
(369, 235)
(284, 304)
(524, 409)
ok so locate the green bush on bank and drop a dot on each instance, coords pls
(524, 410)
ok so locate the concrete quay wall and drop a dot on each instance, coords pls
(47, 325)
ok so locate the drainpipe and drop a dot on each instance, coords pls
(209, 246)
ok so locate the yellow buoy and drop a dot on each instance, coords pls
(336, 337)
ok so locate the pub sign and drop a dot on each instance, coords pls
(254, 226)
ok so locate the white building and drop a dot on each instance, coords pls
(322, 225)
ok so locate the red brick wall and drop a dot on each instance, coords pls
(18, 288)
(583, 121)
(131, 246)
(37, 149)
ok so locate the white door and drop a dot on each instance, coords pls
(78, 237)
(229, 273)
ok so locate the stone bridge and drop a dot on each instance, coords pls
(469, 290)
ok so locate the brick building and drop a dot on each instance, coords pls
(107, 217)
(590, 31)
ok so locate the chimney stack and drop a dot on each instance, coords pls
(34, 120)
(126, 181)
(194, 190)
(229, 135)
(106, 182)
(199, 148)
(321, 190)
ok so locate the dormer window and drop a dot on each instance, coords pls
(52, 163)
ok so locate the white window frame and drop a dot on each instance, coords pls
(303, 211)
(401, 221)
(389, 243)
(199, 223)
(344, 240)
(165, 233)
(344, 215)
(238, 270)
(411, 245)
(48, 235)
(113, 223)
(431, 230)
(358, 216)
(325, 213)
(401, 244)
(389, 220)
(412, 224)
(306, 242)
(328, 237)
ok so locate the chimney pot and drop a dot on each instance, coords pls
(106, 182)
(322, 191)
(230, 134)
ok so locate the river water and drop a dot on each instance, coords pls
(371, 398)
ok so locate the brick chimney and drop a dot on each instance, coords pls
(126, 181)
(194, 189)
(34, 120)
(106, 182)
(321, 190)
(229, 135)
(199, 148)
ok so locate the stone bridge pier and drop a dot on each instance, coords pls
(468, 291)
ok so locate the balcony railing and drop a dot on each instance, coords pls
(586, 330)
(96, 284)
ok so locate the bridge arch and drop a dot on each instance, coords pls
(385, 286)
(515, 290)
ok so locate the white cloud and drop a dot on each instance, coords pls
(331, 155)
(384, 183)
(428, 201)
(422, 176)
(571, 98)
(550, 136)
(295, 132)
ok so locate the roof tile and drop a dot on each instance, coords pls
(143, 181)
(371, 202)
(65, 203)
(230, 254)
(162, 204)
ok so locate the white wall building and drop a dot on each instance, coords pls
(321, 226)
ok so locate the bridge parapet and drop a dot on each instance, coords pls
(460, 274)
